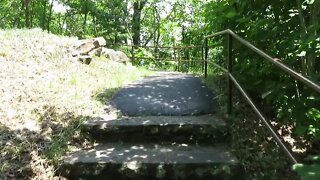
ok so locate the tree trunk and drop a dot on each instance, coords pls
(94, 24)
(304, 32)
(27, 13)
(313, 34)
(32, 3)
(50, 15)
(115, 29)
(309, 30)
(136, 20)
(84, 23)
(43, 18)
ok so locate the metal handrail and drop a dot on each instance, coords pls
(274, 61)
(160, 47)
(232, 81)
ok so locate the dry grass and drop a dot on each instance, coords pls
(45, 96)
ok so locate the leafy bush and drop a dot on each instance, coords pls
(287, 30)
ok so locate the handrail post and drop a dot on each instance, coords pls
(188, 58)
(174, 58)
(230, 62)
(132, 54)
(202, 58)
(179, 57)
(206, 58)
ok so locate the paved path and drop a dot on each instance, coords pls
(160, 137)
(165, 93)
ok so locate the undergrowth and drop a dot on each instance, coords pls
(250, 140)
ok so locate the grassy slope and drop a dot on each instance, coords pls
(45, 96)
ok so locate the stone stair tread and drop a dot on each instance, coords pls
(151, 153)
(211, 120)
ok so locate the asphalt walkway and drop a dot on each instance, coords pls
(165, 93)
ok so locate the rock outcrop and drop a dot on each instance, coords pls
(117, 56)
(86, 49)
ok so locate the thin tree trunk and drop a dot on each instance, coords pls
(115, 29)
(27, 13)
(136, 24)
(31, 13)
(43, 18)
(314, 24)
(304, 32)
(136, 20)
(84, 23)
(60, 24)
(94, 24)
(50, 15)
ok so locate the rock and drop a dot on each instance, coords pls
(122, 57)
(117, 56)
(109, 54)
(74, 53)
(91, 47)
(86, 47)
(85, 59)
(101, 40)
(95, 52)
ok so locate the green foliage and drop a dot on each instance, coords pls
(274, 26)
(144, 58)
(287, 30)
(309, 171)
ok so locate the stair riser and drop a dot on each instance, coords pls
(153, 171)
(200, 134)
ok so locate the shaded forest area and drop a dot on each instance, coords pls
(140, 22)
(287, 30)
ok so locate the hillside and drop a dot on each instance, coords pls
(45, 95)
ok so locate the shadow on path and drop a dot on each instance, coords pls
(165, 93)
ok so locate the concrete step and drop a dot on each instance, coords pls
(181, 129)
(152, 161)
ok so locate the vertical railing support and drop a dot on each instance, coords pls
(230, 62)
(179, 58)
(132, 54)
(188, 59)
(206, 59)
(202, 58)
(174, 58)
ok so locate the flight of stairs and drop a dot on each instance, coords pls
(155, 147)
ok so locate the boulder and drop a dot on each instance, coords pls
(95, 52)
(87, 46)
(109, 54)
(85, 49)
(117, 56)
(122, 57)
(85, 59)
(101, 40)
